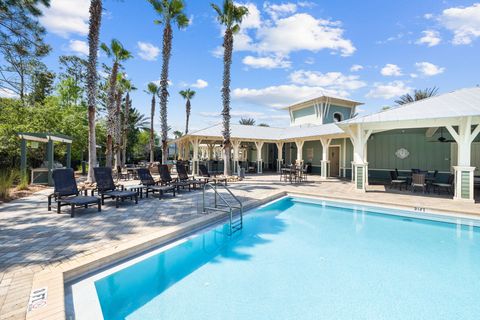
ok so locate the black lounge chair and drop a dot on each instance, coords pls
(448, 186)
(204, 173)
(183, 177)
(66, 192)
(151, 185)
(106, 187)
(395, 181)
(166, 179)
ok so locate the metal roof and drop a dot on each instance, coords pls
(324, 99)
(239, 131)
(459, 103)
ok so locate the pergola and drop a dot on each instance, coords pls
(212, 136)
(457, 111)
(49, 139)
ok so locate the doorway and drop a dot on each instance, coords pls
(334, 161)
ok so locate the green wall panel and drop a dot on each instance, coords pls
(345, 111)
(305, 112)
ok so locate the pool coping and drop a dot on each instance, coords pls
(55, 278)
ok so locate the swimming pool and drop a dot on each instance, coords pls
(298, 258)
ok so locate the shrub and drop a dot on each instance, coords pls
(24, 182)
(7, 178)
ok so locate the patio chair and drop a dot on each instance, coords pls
(204, 173)
(107, 189)
(399, 176)
(151, 185)
(166, 179)
(448, 186)
(183, 176)
(418, 181)
(121, 175)
(396, 182)
(66, 192)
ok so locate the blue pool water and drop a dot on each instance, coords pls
(296, 259)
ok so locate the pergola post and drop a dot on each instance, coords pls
(69, 155)
(299, 144)
(23, 157)
(195, 161)
(463, 170)
(280, 155)
(50, 153)
(325, 168)
(259, 145)
(236, 152)
(359, 137)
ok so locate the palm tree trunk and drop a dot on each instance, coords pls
(227, 63)
(93, 34)
(166, 53)
(187, 119)
(117, 130)
(152, 133)
(111, 121)
(125, 128)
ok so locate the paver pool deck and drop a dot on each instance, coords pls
(40, 248)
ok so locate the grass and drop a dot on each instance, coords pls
(7, 179)
(24, 182)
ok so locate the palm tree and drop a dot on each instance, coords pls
(118, 53)
(170, 11)
(93, 34)
(230, 16)
(127, 87)
(417, 95)
(188, 95)
(177, 134)
(152, 89)
(247, 121)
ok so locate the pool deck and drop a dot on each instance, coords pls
(43, 249)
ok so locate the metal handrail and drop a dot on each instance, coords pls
(226, 203)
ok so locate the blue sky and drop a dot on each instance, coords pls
(369, 51)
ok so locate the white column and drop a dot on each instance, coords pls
(299, 144)
(259, 145)
(236, 148)
(359, 137)
(280, 155)
(325, 157)
(195, 161)
(463, 170)
(344, 158)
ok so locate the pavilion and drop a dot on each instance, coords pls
(324, 133)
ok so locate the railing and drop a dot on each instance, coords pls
(225, 206)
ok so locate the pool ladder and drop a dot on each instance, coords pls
(236, 221)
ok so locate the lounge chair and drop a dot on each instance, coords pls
(204, 173)
(151, 185)
(183, 177)
(66, 192)
(166, 179)
(442, 185)
(106, 188)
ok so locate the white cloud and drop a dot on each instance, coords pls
(429, 69)
(428, 16)
(272, 62)
(330, 80)
(388, 90)
(464, 22)
(301, 31)
(148, 51)
(280, 96)
(430, 38)
(309, 60)
(200, 84)
(279, 10)
(252, 20)
(66, 17)
(7, 93)
(78, 46)
(356, 67)
(391, 70)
